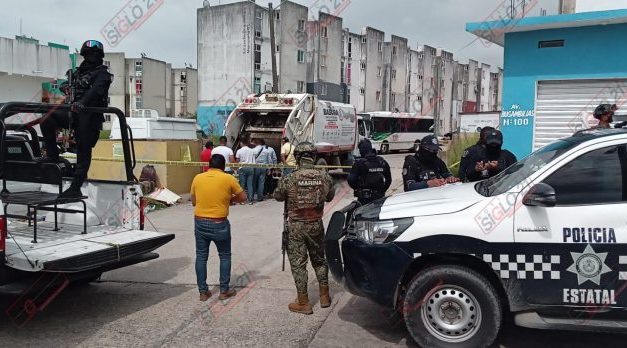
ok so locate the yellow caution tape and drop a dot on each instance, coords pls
(200, 164)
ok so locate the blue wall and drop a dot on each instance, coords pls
(211, 119)
(588, 52)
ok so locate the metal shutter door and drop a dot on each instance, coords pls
(564, 107)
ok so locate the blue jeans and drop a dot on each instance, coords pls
(219, 233)
(246, 176)
(260, 182)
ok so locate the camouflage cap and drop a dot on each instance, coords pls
(304, 147)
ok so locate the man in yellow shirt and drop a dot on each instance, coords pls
(287, 155)
(212, 193)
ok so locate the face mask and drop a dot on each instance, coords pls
(93, 58)
(493, 150)
(427, 156)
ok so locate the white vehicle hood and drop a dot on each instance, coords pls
(432, 201)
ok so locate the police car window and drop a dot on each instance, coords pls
(515, 174)
(595, 177)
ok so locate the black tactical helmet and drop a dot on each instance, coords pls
(92, 45)
(305, 150)
(604, 109)
(365, 147)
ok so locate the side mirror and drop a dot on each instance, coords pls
(540, 195)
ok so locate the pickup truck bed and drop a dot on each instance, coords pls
(67, 250)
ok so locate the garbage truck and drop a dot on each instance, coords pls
(330, 126)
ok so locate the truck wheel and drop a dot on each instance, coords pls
(385, 149)
(452, 306)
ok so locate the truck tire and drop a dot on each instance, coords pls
(452, 306)
(385, 148)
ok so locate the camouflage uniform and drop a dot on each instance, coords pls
(306, 190)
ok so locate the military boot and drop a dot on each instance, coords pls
(325, 298)
(301, 305)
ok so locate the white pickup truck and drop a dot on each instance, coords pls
(74, 240)
(545, 240)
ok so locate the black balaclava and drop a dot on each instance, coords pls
(365, 148)
(427, 156)
(93, 58)
(493, 151)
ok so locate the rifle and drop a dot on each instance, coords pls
(286, 234)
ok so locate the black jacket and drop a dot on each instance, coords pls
(416, 173)
(478, 153)
(370, 173)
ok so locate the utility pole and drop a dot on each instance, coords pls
(275, 76)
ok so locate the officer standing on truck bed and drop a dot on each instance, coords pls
(370, 176)
(425, 169)
(488, 159)
(306, 190)
(88, 86)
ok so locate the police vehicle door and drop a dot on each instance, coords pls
(573, 253)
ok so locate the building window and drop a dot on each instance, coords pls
(349, 66)
(465, 67)
(138, 86)
(393, 73)
(323, 60)
(419, 77)
(301, 25)
(324, 32)
(393, 50)
(482, 90)
(363, 65)
(138, 66)
(364, 40)
(362, 91)
(139, 103)
(257, 48)
(378, 95)
(301, 56)
(277, 15)
(300, 86)
(258, 15)
(278, 48)
(393, 99)
(379, 71)
(257, 66)
(380, 46)
(419, 98)
(421, 55)
(183, 77)
(257, 33)
(323, 89)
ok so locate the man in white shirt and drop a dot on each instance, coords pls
(264, 154)
(226, 152)
(246, 154)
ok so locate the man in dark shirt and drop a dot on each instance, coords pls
(370, 176)
(471, 154)
(425, 169)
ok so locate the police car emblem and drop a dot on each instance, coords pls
(588, 265)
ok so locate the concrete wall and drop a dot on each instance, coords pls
(225, 61)
(324, 58)
(484, 88)
(168, 90)
(355, 77)
(429, 84)
(473, 82)
(184, 91)
(415, 79)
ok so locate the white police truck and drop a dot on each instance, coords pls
(545, 240)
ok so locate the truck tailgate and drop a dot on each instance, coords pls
(81, 252)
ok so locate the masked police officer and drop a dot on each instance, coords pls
(472, 154)
(491, 159)
(88, 86)
(425, 169)
(370, 176)
(306, 190)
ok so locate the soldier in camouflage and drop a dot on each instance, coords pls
(306, 190)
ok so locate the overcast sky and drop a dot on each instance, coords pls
(170, 33)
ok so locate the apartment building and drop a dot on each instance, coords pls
(324, 66)
(396, 74)
(25, 64)
(483, 99)
(444, 72)
(354, 76)
(184, 92)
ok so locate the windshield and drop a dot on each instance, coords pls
(522, 169)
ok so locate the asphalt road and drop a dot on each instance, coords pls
(156, 304)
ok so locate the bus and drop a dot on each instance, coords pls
(393, 131)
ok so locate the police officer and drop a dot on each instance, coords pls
(370, 176)
(472, 154)
(491, 159)
(90, 84)
(306, 190)
(605, 114)
(425, 169)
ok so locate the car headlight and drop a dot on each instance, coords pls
(377, 232)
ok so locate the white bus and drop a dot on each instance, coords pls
(392, 131)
